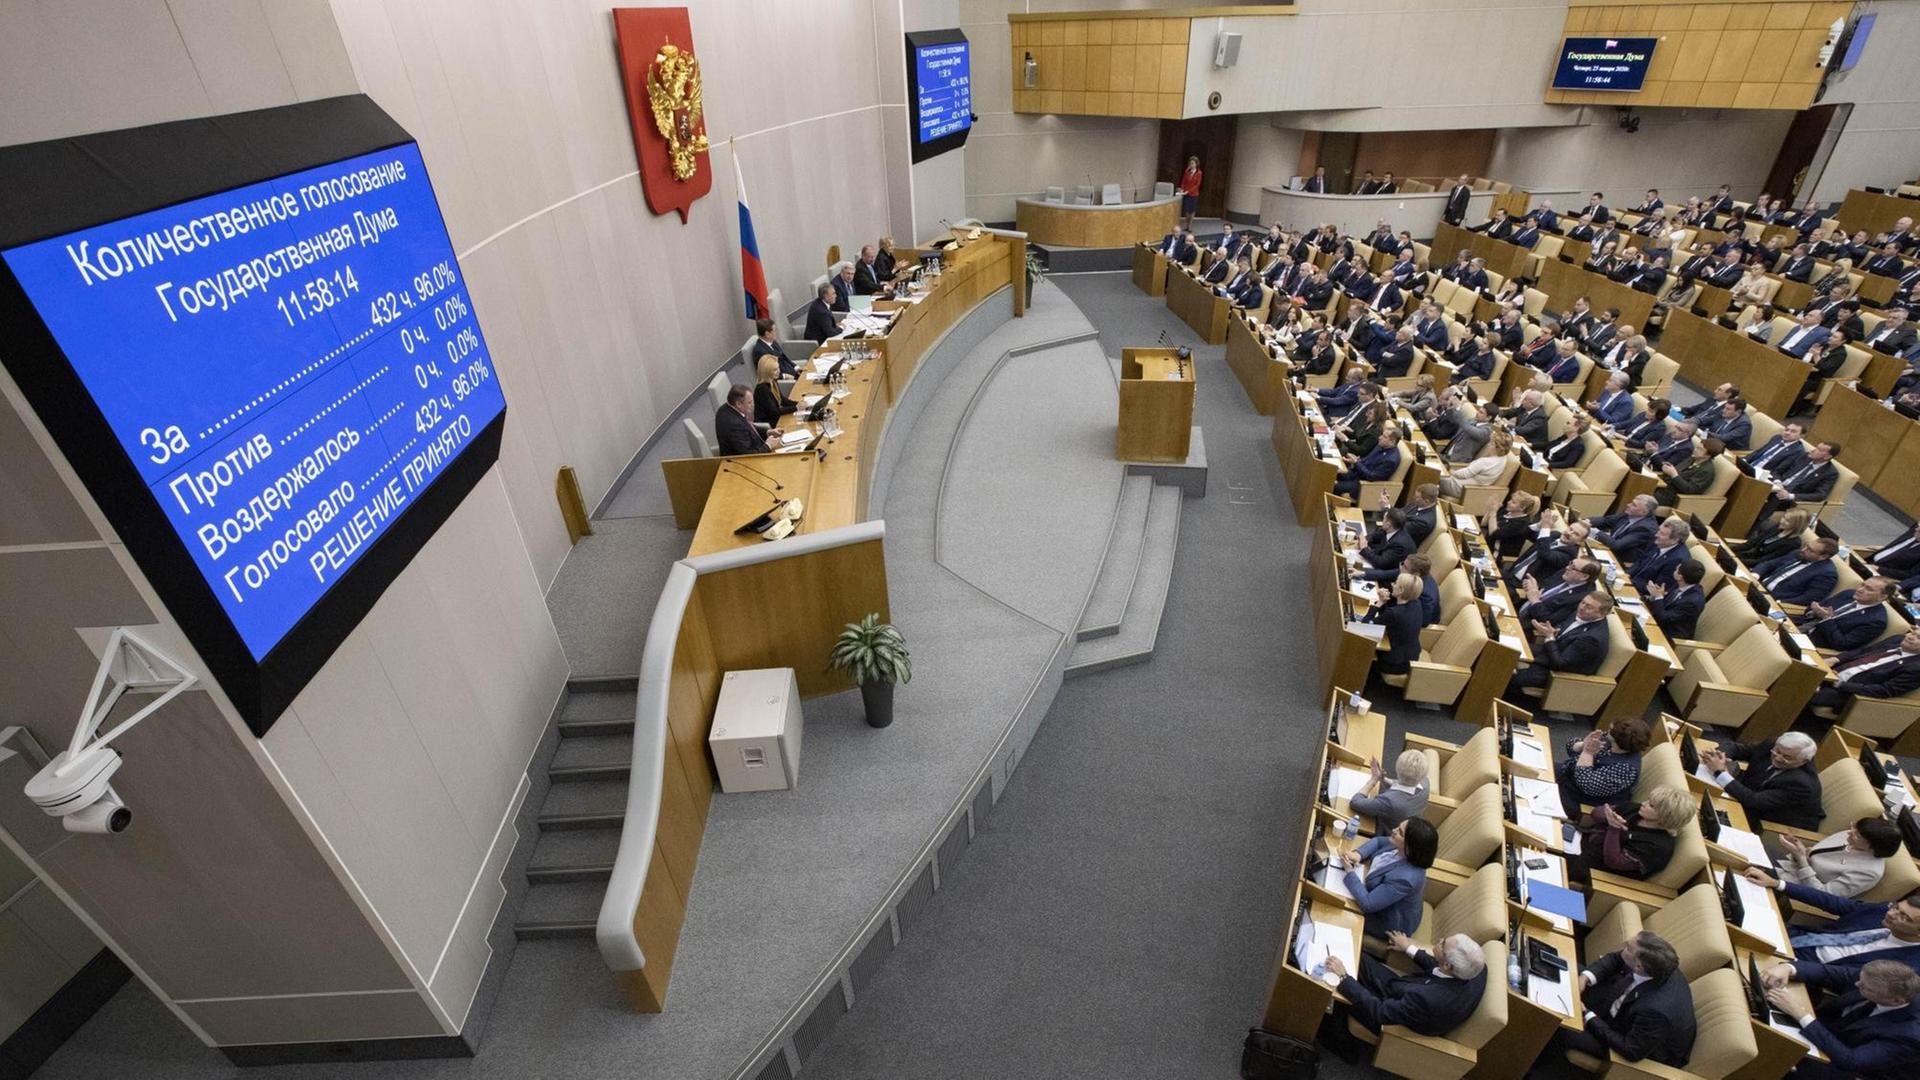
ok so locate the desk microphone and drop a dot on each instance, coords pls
(777, 485)
(755, 483)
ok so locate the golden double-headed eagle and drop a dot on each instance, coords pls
(673, 88)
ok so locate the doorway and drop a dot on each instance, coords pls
(1804, 149)
(1209, 138)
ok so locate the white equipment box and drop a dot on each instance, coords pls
(755, 740)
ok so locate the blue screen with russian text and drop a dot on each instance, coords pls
(288, 365)
(943, 75)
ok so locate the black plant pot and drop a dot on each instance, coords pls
(878, 698)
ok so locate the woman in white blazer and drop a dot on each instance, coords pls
(1844, 864)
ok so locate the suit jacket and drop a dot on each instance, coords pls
(1601, 335)
(1175, 247)
(1379, 464)
(1403, 622)
(1426, 1002)
(1644, 428)
(1726, 275)
(1892, 340)
(1655, 564)
(1797, 341)
(1530, 425)
(1558, 601)
(1338, 401)
(1654, 1020)
(765, 348)
(1614, 407)
(1218, 273)
(1625, 536)
(1809, 482)
(1432, 333)
(1797, 268)
(768, 404)
(1395, 360)
(1810, 581)
(1468, 438)
(884, 264)
(1391, 807)
(1507, 535)
(1390, 896)
(1315, 184)
(1526, 237)
(1314, 361)
(1678, 613)
(1384, 549)
(1888, 680)
(1545, 558)
(1456, 210)
(1736, 433)
(1780, 457)
(1564, 369)
(1385, 295)
(1566, 453)
(1850, 915)
(736, 434)
(1478, 366)
(866, 281)
(1858, 1039)
(820, 321)
(1850, 630)
(842, 294)
(1835, 867)
(1316, 292)
(1575, 648)
(1899, 559)
(1782, 796)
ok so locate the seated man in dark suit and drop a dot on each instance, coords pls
(1848, 620)
(1395, 355)
(1629, 532)
(1783, 453)
(1730, 423)
(1389, 542)
(1885, 669)
(1812, 482)
(1437, 998)
(1497, 227)
(1649, 426)
(821, 324)
(1637, 1004)
(1894, 336)
(1313, 354)
(1316, 291)
(1803, 576)
(1577, 646)
(1900, 559)
(1676, 604)
(1805, 334)
(1553, 601)
(733, 426)
(843, 289)
(1869, 1025)
(1874, 931)
(1548, 554)
(1177, 246)
(1338, 401)
(1529, 419)
(866, 278)
(1379, 464)
(1779, 783)
(1566, 451)
(766, 342)
(1656, 563)
(1423, 511)
(1241, 276)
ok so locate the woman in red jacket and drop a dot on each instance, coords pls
(1189, 193)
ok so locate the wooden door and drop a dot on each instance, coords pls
(1209, 138)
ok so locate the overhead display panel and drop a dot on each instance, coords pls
(276, 392)
(1592, 63)
(940, 84)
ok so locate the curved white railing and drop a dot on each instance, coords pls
(614, 931)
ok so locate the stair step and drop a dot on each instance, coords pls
(1140, 627)
(598, 704)
(585, 796)
(581, 774)
(581, 684)
(574, 848)
(561, 904)
(580, 822)
(580, 729)
(611, 749)
(1108, 605)
(550, 874)
(534, 931)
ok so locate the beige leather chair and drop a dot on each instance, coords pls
(1727, 688)
(1462, 301)
(1849, 370)
(1841, 489)
(1477, 499)
(1659, 767)
(1402, 1052)
(1443, 669)
(1441, 289)
(1443, 550)
(1548, 248)
(1901, 877)
(1692, 924)
(1764, 428)
(1890, 720)
(1657, 377)
(1591, 491)
(1456, 770)
(1585, 695)
(1486, 388)
(1577, 386)
(1470, 836)
(1401, 383)
(1456, 592)
(1845, 797)
(1371, 490)
(1478, 909)
(1708, 504)
(1723, 619)
(1715, 575)
(1724, 1043)
(1533, 302)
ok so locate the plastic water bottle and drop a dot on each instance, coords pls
(1351, 829)
(1514, 973)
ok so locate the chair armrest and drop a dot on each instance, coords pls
(1429, 635)
(1724, 705)
(1809, 836)
(1449, 669)
(1405, 1053)
(1438, 808)
(1416, 741)
(1690, 645)
(1623, 886)
(1619, 1068)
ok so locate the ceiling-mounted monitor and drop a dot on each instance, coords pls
(1603, 63)
(939, 91)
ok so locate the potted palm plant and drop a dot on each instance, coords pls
(875, 655)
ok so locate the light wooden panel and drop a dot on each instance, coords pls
(1745, 54)
(1103, 63)
(1058, 225)
(814, 596)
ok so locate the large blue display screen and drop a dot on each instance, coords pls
(1591, 63)
(943, 83)
(288, 365)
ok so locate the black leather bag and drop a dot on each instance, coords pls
(1269, 1056)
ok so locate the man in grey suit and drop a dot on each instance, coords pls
(1475, 429)
(1389, 804)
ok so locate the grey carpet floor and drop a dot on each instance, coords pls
(605, 591)
(1117, 914)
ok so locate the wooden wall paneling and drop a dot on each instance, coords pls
(819, 593)
(691, 695)
(689, 482)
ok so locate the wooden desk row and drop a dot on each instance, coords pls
(1881, 445)
(1565, 282)
(1507, 260)
(1194, 302)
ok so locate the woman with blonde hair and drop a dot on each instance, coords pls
(1489, 466)
(885, 262)
(1510, 525)
(1418, 400)
(769, 404)
(1785, 537)
(1400, 614)
(1633, 840)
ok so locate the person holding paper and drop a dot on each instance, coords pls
(1637, 1003)
(1868, 1027)
(1440, 996)
(1603, 766)
(1389, 804)
(1844, 864)
(1636, 840)
(1396, 876)
(1778, 783)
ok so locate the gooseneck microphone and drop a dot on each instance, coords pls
(751, 480)
(777, 485)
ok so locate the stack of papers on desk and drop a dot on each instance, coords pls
(1531, 752)
(1552, 994)
(1554, 873)
(822, 362)
(1525, 791)
(1315, 941)
(1497, 600)
(795, 441)
(1345, 783)
(1467, 523)
(1334, 880)
(1376, 631)
(1762, 914)
(1706, 774)
(1746, 845)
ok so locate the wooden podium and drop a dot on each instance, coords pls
(1156, 405)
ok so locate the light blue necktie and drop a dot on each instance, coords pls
(1857, 937)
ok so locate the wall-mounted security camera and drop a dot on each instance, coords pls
(76, 786)
(1030, 72)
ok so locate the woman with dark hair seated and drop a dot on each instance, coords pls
(1604, 766)
(1844, 864)
(1395, 881)
(1633, 840)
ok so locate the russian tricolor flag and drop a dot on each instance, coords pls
(753, 277)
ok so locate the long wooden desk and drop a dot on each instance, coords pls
(1882, 446)
(1309, 476)
(1110, 226)
(1874, 213)
(1195, 303)
(1507, 260)
(1262, 371)
(1565, 282)
(1710, 354)
(1150, 270)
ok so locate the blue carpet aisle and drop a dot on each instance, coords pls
(1117, 914)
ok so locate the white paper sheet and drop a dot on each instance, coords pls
(1746, 845)
(1762, 916)
(1556, 995)
(1530, 752)
(1345, 783)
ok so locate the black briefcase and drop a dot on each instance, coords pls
(1268, 1056)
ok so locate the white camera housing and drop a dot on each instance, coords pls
(106, 816)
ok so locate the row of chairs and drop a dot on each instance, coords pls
(1109, 194)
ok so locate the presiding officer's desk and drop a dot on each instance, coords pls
(1110, 226)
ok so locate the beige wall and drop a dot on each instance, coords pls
(355, 851)
(1264, 153)
(1680, 151)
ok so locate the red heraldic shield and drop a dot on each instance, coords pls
(664, 105)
